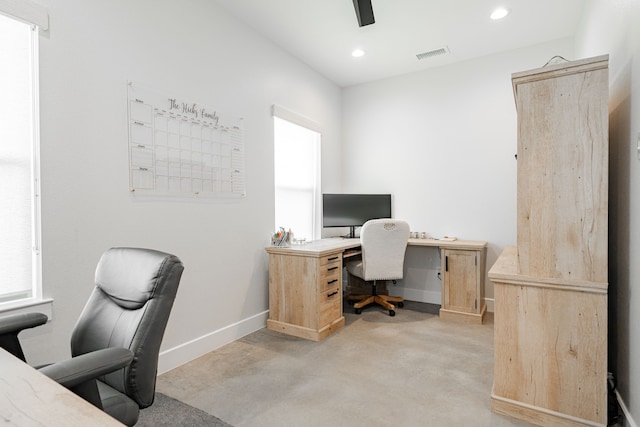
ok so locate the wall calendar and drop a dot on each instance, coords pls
(181, 148)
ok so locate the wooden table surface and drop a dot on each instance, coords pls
(29, 398)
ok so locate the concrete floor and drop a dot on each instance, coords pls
(413, 369)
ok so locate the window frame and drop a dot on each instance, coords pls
(37, 18)
(305, 122)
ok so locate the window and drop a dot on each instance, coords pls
(297, 174)
(19, 168)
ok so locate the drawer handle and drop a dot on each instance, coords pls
(332, 268)
(332, 281)
(333, 258)
(332, 294)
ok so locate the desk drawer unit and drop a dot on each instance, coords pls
(330, 272)
(305, 294)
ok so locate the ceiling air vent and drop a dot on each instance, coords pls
(432, 53)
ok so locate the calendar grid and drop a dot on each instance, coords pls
(183, 149)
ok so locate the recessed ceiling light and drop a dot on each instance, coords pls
(357, 53)
(499, 13)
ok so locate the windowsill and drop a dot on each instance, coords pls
(44, 306)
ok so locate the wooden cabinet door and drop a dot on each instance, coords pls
(460, 280)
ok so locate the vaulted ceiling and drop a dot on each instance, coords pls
(323, 33)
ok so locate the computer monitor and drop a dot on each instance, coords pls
(353, 210)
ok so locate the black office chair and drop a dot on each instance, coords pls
(116, 342)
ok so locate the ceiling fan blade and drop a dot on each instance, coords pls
(364, 12)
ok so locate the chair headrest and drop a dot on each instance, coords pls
(386, 225)
(129, 275)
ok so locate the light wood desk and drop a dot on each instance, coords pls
(305, 284)
(29, 398)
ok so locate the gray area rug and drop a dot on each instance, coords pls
(167, 411)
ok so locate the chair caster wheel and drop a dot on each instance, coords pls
(358, 311)
(392, 313)
(400, 304)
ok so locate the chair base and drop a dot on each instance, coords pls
(383, 300)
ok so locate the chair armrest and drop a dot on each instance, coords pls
(10, 327)
(17, 322)
(89, 366)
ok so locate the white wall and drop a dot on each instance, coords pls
(443, 143)
(195, 50)
(611, 26)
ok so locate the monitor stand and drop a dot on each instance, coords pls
(352, 232)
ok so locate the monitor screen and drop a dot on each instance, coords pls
(353, 210)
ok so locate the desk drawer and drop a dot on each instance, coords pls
(330, 276)
(330, 305)
(328, 259)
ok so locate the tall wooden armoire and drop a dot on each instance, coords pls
(550, 365)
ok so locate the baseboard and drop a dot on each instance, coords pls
(183, 353)
(419, 295)
(489, 302)
(629, 422)
(538, 415)
(431, 297)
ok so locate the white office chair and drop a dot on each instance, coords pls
(384, 242)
